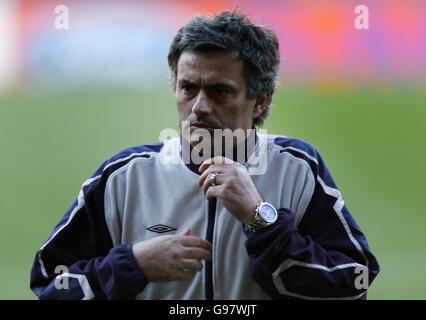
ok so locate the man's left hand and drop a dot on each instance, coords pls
(233, 187)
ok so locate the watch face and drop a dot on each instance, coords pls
(268, 213)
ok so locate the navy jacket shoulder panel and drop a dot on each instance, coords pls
(288, 142)
(123, 156)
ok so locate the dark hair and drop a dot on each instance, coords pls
(232, 31)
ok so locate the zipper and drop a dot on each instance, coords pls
(209, 237)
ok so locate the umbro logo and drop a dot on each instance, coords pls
(160, 228)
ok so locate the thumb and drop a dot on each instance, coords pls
(186, 232)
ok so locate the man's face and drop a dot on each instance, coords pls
(211, 92)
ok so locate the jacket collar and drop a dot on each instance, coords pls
(187, 151)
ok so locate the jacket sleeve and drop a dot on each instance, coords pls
(325, 257)
(78, 260)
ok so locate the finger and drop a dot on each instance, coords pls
(190, 265)
(203, 177)
(207, 183)
(191, 241)
(197, 253)
(211, 169)
(204, 166)
(213, 192)
(216, 160)
(183, 274)
(186, 232)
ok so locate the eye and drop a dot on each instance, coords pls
(222, 92)
(187, 88)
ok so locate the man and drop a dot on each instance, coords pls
(152, 223)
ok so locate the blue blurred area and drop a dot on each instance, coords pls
(125, 44)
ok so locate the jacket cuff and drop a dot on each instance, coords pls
(125, 279)
(257, 242)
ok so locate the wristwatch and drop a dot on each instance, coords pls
(265, 215)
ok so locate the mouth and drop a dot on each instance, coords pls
(202, 125)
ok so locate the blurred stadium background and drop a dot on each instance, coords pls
(69, 99)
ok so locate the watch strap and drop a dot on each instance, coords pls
(257, 223)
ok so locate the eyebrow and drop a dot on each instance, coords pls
(186, 82)
(223, 85)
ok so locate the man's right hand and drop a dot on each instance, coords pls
(173, 257)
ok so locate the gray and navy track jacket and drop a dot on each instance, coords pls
(315, 250)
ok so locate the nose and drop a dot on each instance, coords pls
(202, 104)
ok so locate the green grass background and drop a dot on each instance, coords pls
(372, 140)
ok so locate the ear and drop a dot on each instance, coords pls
(260, 105)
